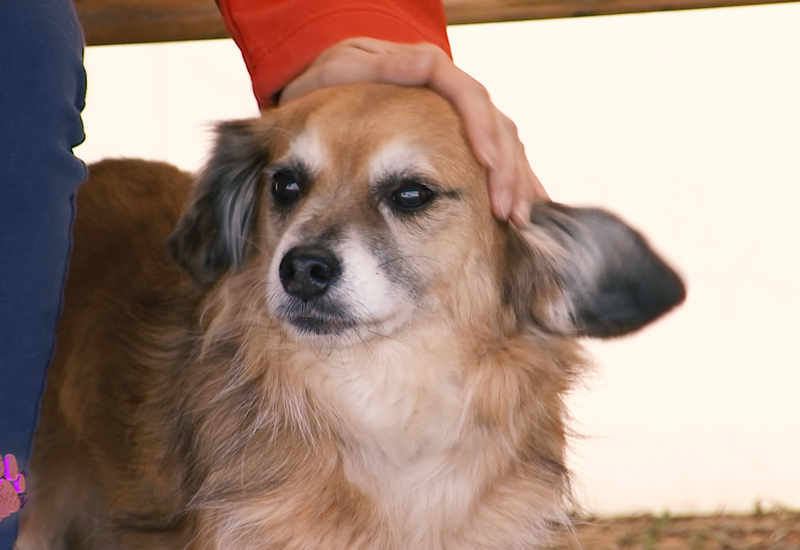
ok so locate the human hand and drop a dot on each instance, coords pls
(493, 137)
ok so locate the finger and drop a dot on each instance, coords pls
(504, 178)
(528, 190)
(523, 199)
(513, 186)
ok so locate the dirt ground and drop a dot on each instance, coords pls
(774, 530)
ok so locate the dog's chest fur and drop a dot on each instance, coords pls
(406, 407)
(423, 457)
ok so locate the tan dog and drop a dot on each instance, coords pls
(352, 354)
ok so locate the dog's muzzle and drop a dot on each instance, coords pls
(308, 275)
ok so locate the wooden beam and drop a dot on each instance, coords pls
(134, 21)
(484, 11)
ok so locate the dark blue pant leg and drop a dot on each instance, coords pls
(42, 87)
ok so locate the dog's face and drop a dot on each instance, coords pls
(361, 222)
(364, 209)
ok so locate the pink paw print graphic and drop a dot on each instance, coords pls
(12, 486)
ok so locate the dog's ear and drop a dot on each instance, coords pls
(584, 272)
(215, 233)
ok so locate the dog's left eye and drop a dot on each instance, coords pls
(411, 195)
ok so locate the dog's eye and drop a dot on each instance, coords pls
(286, 186)
(411, 195)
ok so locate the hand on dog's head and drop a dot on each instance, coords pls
(372, 189)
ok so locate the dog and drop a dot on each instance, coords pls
(334, 346)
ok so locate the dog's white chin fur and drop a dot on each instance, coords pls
(327, 332)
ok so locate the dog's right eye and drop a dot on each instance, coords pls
(286, 186)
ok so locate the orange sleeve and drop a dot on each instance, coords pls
(280, 38)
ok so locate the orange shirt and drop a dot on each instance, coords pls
(280, 38)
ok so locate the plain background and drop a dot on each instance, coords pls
(687, 124)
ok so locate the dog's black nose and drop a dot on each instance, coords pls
(308, 271)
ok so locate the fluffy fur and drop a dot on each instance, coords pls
(339, 348)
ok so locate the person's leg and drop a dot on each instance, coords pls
(42, 87)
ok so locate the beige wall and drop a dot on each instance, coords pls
(688, 125)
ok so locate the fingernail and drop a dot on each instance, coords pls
(521, 216)
(489, 155)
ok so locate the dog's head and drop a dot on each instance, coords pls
(364, 209)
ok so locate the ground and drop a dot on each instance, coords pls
(774, 530)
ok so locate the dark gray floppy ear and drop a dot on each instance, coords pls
(608, 281)
(214, 234)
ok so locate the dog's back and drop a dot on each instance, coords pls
(354, 354)
(121, 281)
